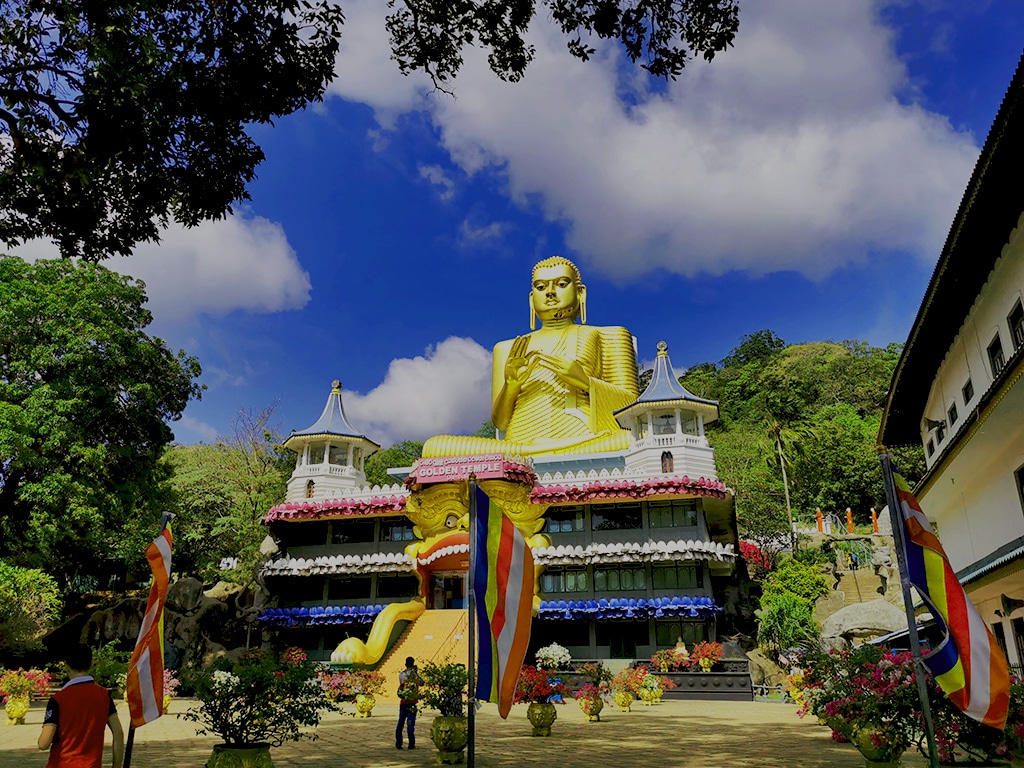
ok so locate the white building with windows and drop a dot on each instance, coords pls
(957, 390)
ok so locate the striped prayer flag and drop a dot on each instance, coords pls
(145, 687)
(503, 590)
(968, 664)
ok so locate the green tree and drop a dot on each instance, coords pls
(401, 454)
(85, 400)
(118, 117)
(220, 493)
(29, 604)
(784, 622)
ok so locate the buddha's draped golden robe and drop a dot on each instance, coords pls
(551, 416)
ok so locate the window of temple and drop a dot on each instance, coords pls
(622, 637)
(1016, 321)
(396, 530)
(995, 356)
(396, 585)
(678, 513)
(349, 587)
(563, 580)
(352, 531)
(675, 575)
(616, 517)
(624, 578)
(1019, 477)
(1000, 635)
(953, 415)
(664, 423)
(667, 462)
(931, 447)
(641, 428)
(968, 392)
(666, 633)
(564, 519)
(689, 422)
(357, 457)
(310, 488)
(338, 455)
(1017, 625)
(316, 454)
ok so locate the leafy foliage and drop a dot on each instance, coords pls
(23, 682)
(85, 401)
(795, 578)
(29, 604)
(262, 699)
(121, 116)
(785, 621)
(220, 493)
(110, 667)
(536, 686)
(445, 687)
(401, 454)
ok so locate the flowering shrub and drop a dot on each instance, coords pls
(753, 554)
(553, 656)
(962, 739)
(706, 650)
(445, 686)
(590, 691)
(171, 683)
(24, 682)
(669, 660)
(261, 699)
(536, 687)
(656, 682)
(595, 673)
(860, 688)
(344, 686)
(629, 680)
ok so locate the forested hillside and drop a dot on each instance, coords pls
(799, 419)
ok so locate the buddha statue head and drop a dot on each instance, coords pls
(557, 292)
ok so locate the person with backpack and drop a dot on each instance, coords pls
(409, 682)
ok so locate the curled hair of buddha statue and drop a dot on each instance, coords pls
(561, 261)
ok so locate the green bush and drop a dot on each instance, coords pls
(796, 578)
(445, 686)
(786, 621)
(110, 667)
(29, 606)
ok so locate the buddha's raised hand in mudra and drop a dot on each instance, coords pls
(555, 389)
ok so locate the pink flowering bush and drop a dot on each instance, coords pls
(24, 682)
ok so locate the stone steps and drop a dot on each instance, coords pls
(434, 636)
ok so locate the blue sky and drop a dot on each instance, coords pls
(803, 181)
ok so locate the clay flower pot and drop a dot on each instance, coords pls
(541, 716)
(364, 703)
(16, 709)
(623, 700)
(592, 708)
(450, 734)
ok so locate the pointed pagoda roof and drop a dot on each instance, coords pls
(664, 389)
(332, 422)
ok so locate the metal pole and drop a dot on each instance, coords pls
(896, 517)
(126, 761)
(471, 627)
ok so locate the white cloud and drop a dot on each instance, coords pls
(239, 263)
(791, 150)
(436, 176)
(444, 391)
(471, 235)
(189, 430)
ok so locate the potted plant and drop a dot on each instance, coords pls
(535, 687)
(867, 696)
(626, 687)
(17, 687)
(553, 657)
(706, 654)
(671, 659)
(260, 702)
(591, 700)
(444, 689)
(366, 684)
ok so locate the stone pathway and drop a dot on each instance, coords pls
(674, 734)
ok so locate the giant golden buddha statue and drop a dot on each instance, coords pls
(555, 390)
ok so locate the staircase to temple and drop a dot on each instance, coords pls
(860, 586)
(435, 636)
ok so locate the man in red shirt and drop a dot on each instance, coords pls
(76, 717)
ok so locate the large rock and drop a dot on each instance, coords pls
(864, 621)
(764, 671)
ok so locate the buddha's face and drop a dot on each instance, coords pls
(554, 294)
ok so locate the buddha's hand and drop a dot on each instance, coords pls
(568, 371)
(520, 363)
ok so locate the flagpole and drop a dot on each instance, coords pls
(896, 518)
(471, 628)
(126, 761)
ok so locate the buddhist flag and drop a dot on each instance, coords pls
(503, 590)
(968, 664)
(145, 686)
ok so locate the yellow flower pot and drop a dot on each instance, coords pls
(541, 716)
(364, 703)
(623, 700)
(16, 709)
(649, 696)
(592, 709)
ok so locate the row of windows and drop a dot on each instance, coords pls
(621, 637)
(623, 578)
(996, 360)
(359, 586)
(678, 513)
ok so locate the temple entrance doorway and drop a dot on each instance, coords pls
(447, 590)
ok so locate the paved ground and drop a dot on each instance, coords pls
(674, 734)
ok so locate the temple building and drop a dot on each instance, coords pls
(616, 492)
(958, 391)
